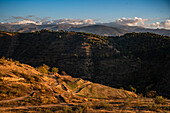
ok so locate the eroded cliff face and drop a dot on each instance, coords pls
(78, 54)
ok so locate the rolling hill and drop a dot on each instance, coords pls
(100, 30)
(27, 89)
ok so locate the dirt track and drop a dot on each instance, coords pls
(17, 99)
(40, 106)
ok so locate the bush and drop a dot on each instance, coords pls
(81, 108)
(3, 58)
(132, 89)
(16, 62)
(159, 100)
(151, 94)
(43, 69)
(102, 105)
(67, 110)
(54, 70)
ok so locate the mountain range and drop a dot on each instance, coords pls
(105, 29)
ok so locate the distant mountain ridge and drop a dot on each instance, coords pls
(100, 30)
(105, 29)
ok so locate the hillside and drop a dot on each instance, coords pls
(21, 85)
(100, 30)
(23, 88)
(152, 52)
(140, 60)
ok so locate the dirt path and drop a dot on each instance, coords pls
(19, 98)
(40, 106)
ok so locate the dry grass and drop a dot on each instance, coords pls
(17, 80)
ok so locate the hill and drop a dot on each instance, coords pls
(23, 88)
(140, 60)
(100, 30)
(152, 52)
(21, 84)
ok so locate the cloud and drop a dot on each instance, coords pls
(164, 24)
(141, 22)
(25, 22)
(71, 21)
(136, 21)
(31, 19)
(131, 22)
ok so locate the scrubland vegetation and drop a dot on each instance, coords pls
(138, 62)
(25, 89)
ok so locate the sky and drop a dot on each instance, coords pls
(152, 12)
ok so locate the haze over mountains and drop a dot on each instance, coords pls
(87, 25)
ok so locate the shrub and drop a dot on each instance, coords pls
(54, 70)
(128, 102)
(102, 105)
(43, 69)
(11, 60)
(3, 58)
(159, 100)
(81, 108)
(16, 62)
(151, 94)
(67, 110)
(46, 67)
(132, 89)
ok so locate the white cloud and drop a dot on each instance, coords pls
(25, 22)
(58, 21)
(131, 22)
(164, 24)
(141, 22)
(71, 21)
(136, 21)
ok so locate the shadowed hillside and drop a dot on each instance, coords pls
(140, 60)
